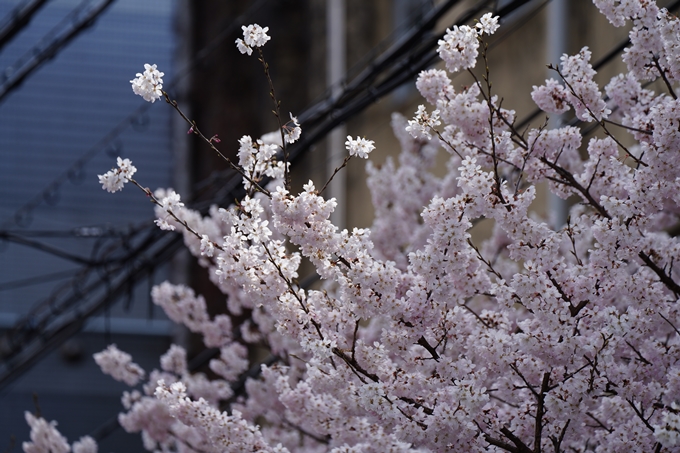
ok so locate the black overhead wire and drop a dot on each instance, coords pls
(49, 249)
(37, 280)
(109, 142)
(88, 233)
(23, 215)
(14, 77)
(17, 19)
(66, 311)
(399, 76)
(510, 24)
(47, 324)
(399, 65)
(81, 232)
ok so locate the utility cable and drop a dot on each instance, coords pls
(50, 51)
(23, 215)
(19, 18)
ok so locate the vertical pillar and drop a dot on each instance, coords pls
(557, 27)
(336, 42)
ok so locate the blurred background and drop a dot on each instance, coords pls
(77, 263)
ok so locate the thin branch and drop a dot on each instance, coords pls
(600, 122)
(424, 343)
(289, 284)
(640, 414)
(662, 72)
(557, 441)
(600, 424)
(630, 128)
(210, 141)
(322, 440)
(502, 444)
(665, 278)
(528, 385)
(474, 313)
(640, 356)
(354, 339)
(540, 412)
(277, 113)
(335, 172)
(570, 234)
(670, 323)
(182, 222)
(521, 446)
(569, 180)
(494, 159)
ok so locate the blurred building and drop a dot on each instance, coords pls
(66, 123)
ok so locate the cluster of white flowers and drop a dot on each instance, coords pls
(119, 365)
(434, 84)
(169, 205)
(421, 336)
(149, 84)
(488, 24)
(45, 438)
(422, 125)
(668, 432)
(253, 36)
(359, 147)
(551, 97)
(114, 179)
(259, 159)
(459, 47)
(292, 133)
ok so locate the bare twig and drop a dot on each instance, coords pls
(335, 172)
(600, 122)
(277, 114)
(662, 72)
(211, 142)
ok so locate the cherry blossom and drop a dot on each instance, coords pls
(359, 147)
(149, 84)
(253, 36)
(488, 24)
(114, 180)
(421, 334)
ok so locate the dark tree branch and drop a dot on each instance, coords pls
(665, 278)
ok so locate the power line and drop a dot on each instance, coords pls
(50, 250)
(398, 66)
(65, 314)
(31, 281)
(23, 215)
(18, 19)
(25, 66)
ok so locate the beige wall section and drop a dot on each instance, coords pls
(517, 61)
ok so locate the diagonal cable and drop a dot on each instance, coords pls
(19, 18)
(51, 50)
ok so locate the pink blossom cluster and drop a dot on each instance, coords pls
(148, 84)
(253, 36)
(114, 180)
(420, 336)
(45, 438)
